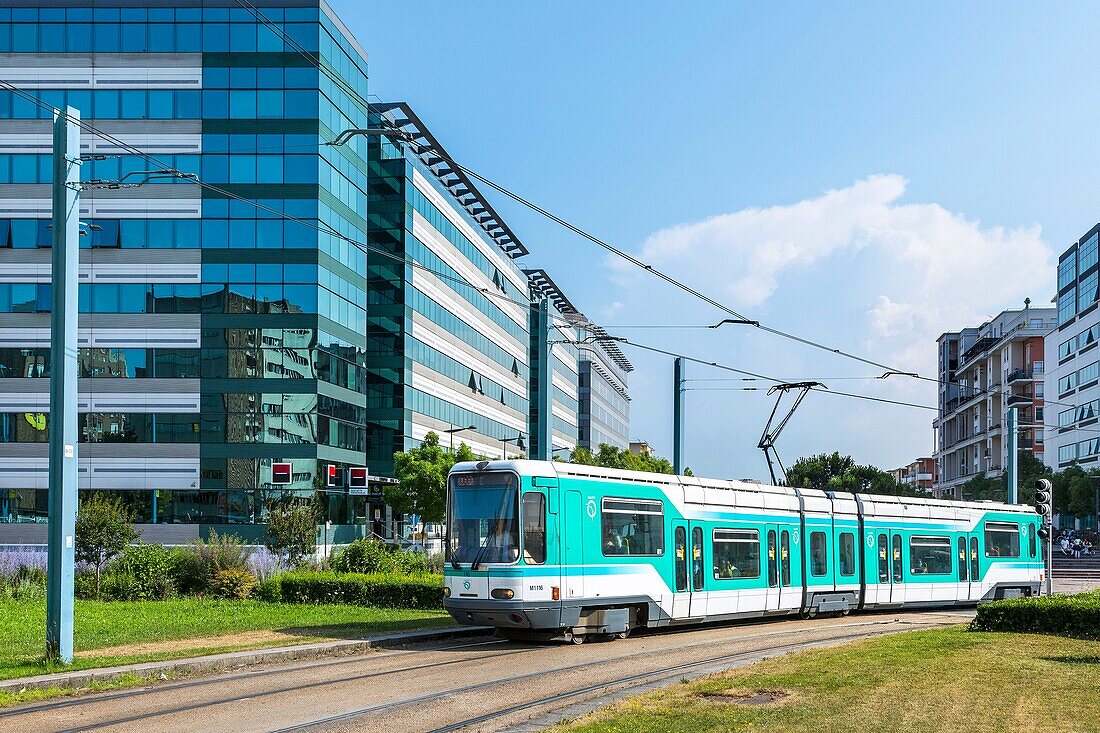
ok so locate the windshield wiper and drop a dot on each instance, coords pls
(485, 546)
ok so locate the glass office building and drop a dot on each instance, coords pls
(447, 340)
(604, 396)
(223, 327)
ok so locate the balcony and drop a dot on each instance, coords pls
(1017, 375)
(1019, 399)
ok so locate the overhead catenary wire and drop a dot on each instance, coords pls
(326, 229)
(365, 104)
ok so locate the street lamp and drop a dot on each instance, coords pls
(518, 440)
(452, 430)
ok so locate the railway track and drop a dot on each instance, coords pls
(480, 685)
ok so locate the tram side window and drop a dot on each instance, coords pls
(633, 527)
(736, 553)
(773, 567)
(883, 560)
(1002, 539)
(930, 555)
(846, 553)
(534, 528)
(897, 558)
(819, 564)
(1031, 539)
(963, 565)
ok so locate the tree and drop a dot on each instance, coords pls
(292, 531)
(103, 531)
(608, 456)
(1030, 469)
(834, 472)
(422, 476)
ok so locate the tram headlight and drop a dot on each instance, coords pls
(503, 594)
(446, 591)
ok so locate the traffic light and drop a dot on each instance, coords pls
(1043, 490)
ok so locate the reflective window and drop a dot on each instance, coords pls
(681, 560)
(1067, 303)
(697, 560)
(773, 567)
(883, 560)
(633, 527)
(846, 553)
(963, 564)
(819, 561)
(785, 558)
(896, 561)
(534, 528)
(736, 553)
(930, 555)
(1002, 539)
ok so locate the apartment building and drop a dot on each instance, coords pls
(920, 474)
(983, 372)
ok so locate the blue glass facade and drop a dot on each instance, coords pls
(227, 325)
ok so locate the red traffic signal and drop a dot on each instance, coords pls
(333, 476)
(357, 477)
(281, 473)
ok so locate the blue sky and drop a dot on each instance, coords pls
(863, 174)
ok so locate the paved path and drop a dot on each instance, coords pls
(483, 685)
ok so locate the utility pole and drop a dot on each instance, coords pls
(1013, 438)
(63, 352)
(678, 416)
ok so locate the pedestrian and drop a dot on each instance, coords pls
(1065, 545)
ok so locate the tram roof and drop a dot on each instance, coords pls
(881, 503)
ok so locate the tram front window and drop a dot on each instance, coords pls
(482, 518)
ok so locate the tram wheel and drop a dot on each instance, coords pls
(621, 635)
(577, 639)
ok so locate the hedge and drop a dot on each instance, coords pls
(1077, 616)
(383, 591)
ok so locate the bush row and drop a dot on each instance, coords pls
(373, 557)
(1076, 615)
(384, 591)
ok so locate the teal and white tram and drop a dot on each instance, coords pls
(573, 551)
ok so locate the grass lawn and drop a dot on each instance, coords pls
(941, 680)
(127, 632)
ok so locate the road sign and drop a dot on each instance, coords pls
(358, 492)
(281, 473)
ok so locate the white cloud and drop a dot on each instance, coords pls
(933, 269)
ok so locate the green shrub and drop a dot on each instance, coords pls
(269, 590)
(372, 556)
(232, 583)
(24, 589)
(84, 584)
(195, 566)
(150, 566)
(383, 591)
(119, 587)
(1076, 615)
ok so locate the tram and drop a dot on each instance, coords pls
(565, 551)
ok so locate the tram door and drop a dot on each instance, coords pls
(897, 571)
(572, 561)
(975, 570)
(681, 573)
(771, 560)
(698, 567)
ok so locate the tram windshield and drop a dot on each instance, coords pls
(483, 518)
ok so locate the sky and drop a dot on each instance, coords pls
(866, 175)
